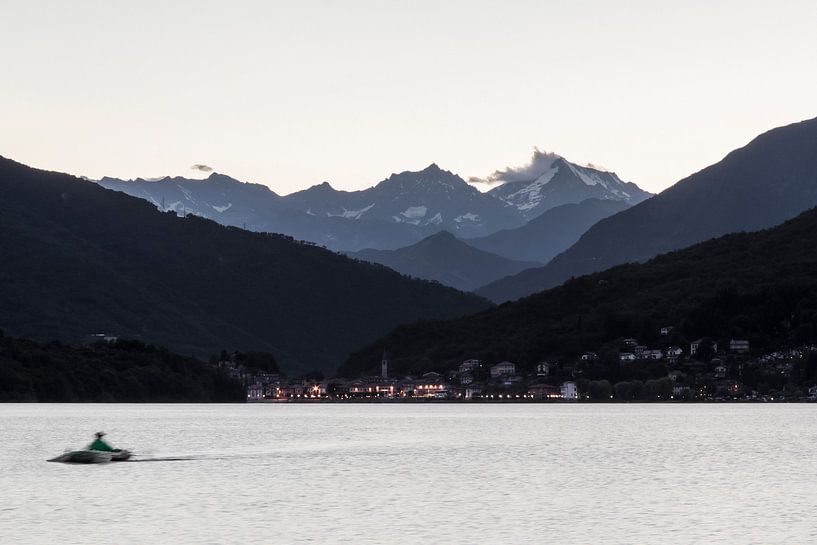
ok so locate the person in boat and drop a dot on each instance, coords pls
(100, 444)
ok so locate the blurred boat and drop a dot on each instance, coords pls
(84, 457)
(120, 455)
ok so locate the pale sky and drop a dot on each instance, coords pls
(290, 94)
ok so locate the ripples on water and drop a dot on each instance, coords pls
(372, 474)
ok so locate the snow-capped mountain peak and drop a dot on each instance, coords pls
(550, 180)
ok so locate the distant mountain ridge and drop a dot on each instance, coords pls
(445, 259)
(396, 212)
(549, 234)
(431, 198)
(770, 180)
(79, 259)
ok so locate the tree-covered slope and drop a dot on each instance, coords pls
(80, 259)
(761, 286)
(121, 371)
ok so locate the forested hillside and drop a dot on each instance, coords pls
(759, 286)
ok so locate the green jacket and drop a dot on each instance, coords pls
(99, 444)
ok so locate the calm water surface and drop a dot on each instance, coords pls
(576, 474)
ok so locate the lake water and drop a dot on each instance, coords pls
(400, 474)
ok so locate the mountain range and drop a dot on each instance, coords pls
(771, 179)
(444, 258)
(396, 212)
(79, 259)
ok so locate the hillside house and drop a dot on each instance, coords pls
(674, 352)
(666, 330)
(470, 365)
(654, 355)
(503, 369)
(626, 357)
(543, 368)
(589, 356)
(695, 345)
(739, 346)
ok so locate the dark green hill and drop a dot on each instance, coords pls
(759, 286)
(770, 180)
(448, 260)
(80, 259)
(121, 371)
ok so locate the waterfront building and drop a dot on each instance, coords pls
(544, 391)
(569, 390)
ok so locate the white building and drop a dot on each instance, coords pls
(255, 392)
(626, 356)
(569, 390)
(674, 352)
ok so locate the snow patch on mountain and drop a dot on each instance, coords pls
(436, 220)
(222, 208)
(348, 214)
(466, 217)
(414, 212)
(531, 195)
(186, 192)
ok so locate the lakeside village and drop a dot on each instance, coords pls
(704, 371)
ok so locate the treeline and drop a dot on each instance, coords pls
(120, 371)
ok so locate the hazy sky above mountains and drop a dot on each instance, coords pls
(293, 93)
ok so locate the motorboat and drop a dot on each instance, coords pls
(120, 455)
(84, 457)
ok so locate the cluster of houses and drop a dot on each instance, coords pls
(703, 372)
(502, 382)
